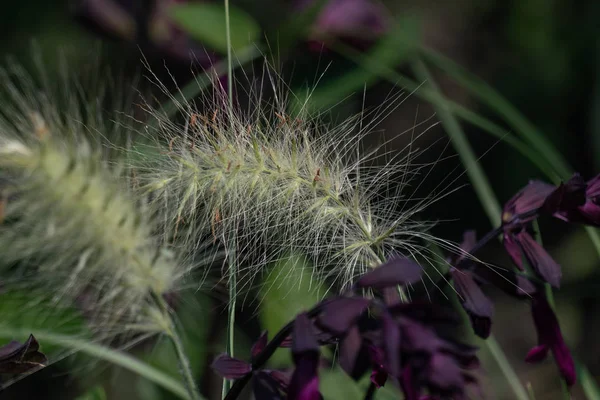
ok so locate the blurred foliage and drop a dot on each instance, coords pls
(287, 290)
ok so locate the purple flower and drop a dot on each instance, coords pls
(550, 339)
(517, 214)
(267, 384)
(304, 384)
(479, 308)
(379, 375)
(354, 20)
(576, 201)
(121, 19)
(527, 200)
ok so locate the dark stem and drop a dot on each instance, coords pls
(495, 232)
(370, 391)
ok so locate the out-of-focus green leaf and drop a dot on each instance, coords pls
(32, 311)
(399, 45)
(124, 360)
(61, 330)
(205, 22)
(95, 393)
(335, 384)
(194, 334)
(287, 290)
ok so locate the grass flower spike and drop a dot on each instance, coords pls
(277, 183)
(69, 219)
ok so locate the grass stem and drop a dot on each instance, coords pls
(487, 199)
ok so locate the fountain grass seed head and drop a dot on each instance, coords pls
(267, 184)
(70, 222)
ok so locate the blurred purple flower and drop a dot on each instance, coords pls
(550, 339)
(152, 29)
(267, 384)
(304, 384)
(356, 21)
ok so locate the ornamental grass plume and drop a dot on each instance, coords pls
(70, 223)
(273, 180)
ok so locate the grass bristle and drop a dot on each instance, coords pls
(278, 183)
(71, 224)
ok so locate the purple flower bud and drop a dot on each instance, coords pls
(304, 384)
(550, 339)
(391, 344)
(479, 308)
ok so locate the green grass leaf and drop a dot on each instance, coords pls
(62, 330)
(287, 290)
(95, 393)
(398, 46)
(205, 22)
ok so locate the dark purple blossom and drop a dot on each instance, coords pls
(479, 308)
(267, 384)
(529, 199)
(152, 28)
(517, 215)
(356, 21)
(550, 339)
(304, 384)
(401, 339)
(576, 201)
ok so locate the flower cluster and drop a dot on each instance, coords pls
(414, 343)
(574, 201)
(408, 343)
